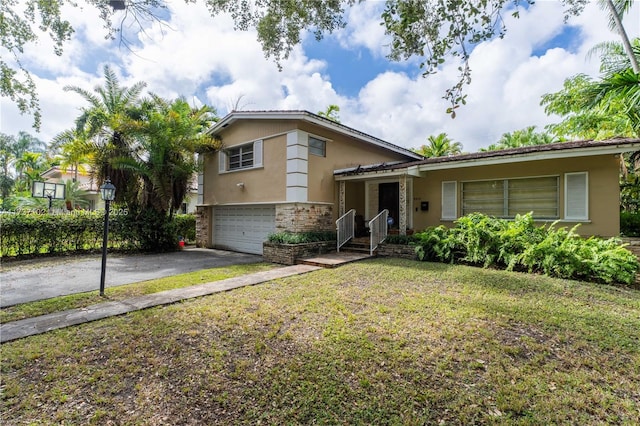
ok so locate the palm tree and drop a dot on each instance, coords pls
(108, 122)
(74, 196)
(25, 143)
(74, 151)
(616, 9)
(6, 160)
(332, 113)
(519, 138)
(618, 91)
(166, 142)
(440, 146)
(31, 166)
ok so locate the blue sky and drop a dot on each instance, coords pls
(206, 61)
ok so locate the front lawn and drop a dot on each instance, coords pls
(383, 341)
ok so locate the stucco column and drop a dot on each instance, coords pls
(341, 198)
(403, 205)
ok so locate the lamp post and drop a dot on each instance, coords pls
(108, 193)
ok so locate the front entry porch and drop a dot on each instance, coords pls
(368, 197)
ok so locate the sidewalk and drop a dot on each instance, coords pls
(42, 324)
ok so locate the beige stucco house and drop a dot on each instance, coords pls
(276, 173)
(297, 171)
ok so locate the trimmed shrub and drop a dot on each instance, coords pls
(27, 234)
(186, 226)
(630, 224)
(519, 245)
(301, 237)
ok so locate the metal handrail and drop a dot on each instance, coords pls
(345, 228)
(378, 228)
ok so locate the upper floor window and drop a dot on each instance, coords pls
(241, 157)
(317, 147)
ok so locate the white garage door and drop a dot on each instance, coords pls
(243, 228)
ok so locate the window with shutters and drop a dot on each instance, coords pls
(241, 157)
(508, 197)
(576, 196)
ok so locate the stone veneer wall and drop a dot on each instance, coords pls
(397, 250)
(203, 224)
(304, 217)
(286, 254)
(633, 247)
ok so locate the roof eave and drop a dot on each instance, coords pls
(532, 156)
(313, 119)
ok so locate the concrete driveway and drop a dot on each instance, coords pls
(27, 281)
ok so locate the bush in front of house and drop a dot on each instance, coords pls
(518, 244)
(301, 237)
(186, 226)
(630, 224)
(30, 233)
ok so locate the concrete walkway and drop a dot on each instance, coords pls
(42, 324)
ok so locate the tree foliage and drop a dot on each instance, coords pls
(107, 122)
(519, 138)
(332, 113)
(434, 31)
(599, 108)
(439, 146)
(166, 137)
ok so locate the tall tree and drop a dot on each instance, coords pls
(6, 158)
(434, 31)
(107, 122)
(74, 151)
(616, 10)
(167, 136)
(599, 108)
(439, 146)
(31, 165)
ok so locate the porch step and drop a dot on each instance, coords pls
(331, 260)
(354, 249)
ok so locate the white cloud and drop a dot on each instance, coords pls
(363, 29)
(506, 89)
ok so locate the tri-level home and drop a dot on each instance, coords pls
(297, 171)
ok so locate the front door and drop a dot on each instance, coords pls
(389, 198)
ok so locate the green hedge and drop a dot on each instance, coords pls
(630, 224)
(26, 234)
(301, 237)
(519, 245)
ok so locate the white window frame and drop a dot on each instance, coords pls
(224, 165)
(570, 197)
(320, 151)
(447, 211)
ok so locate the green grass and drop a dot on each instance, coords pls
(81, 300)
(376, 342)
